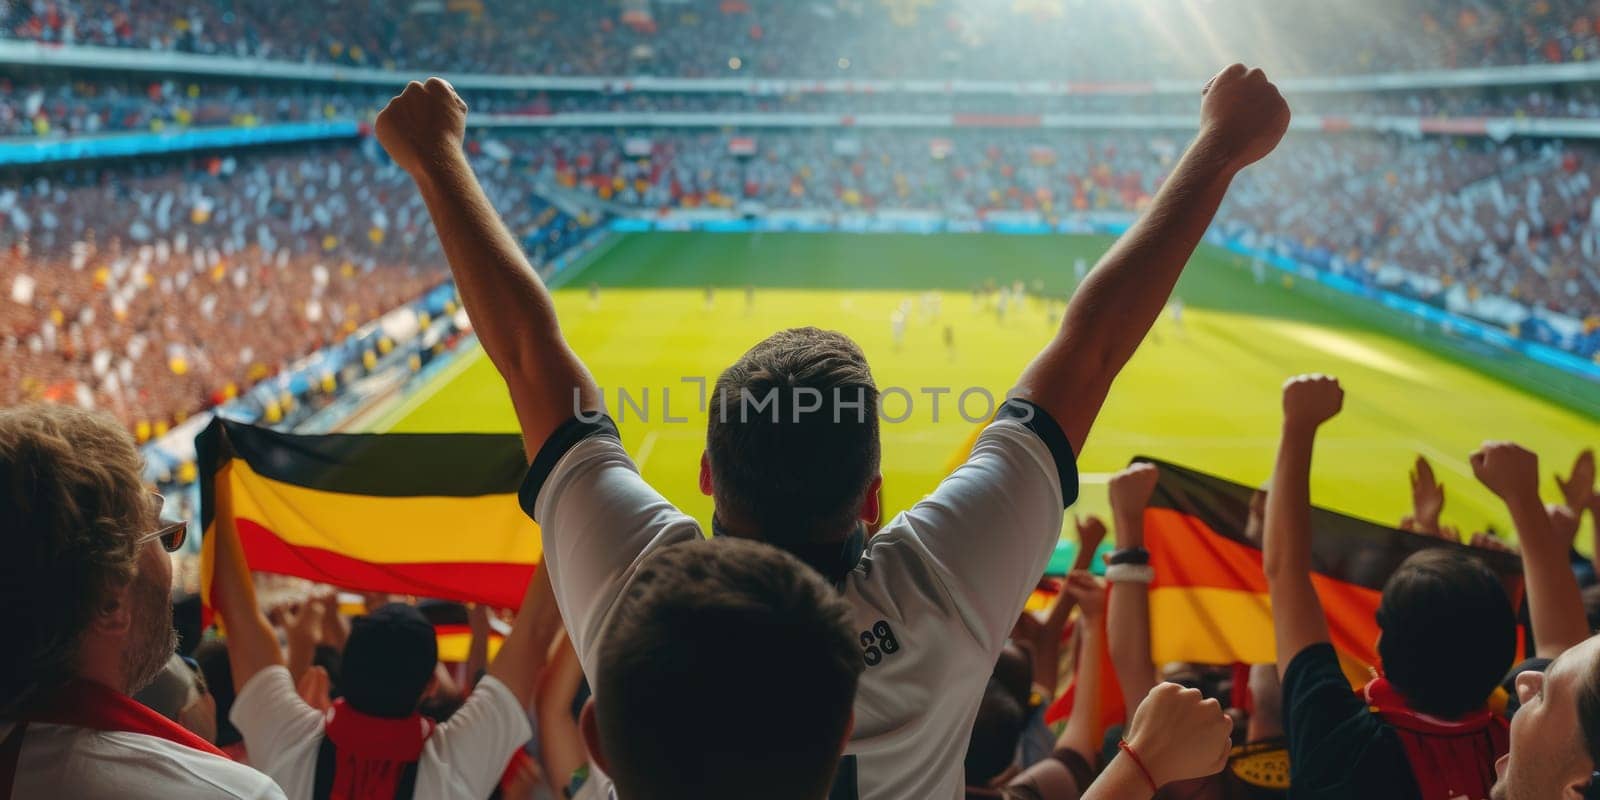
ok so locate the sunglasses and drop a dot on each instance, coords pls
(172, 533)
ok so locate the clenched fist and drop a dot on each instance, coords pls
(1179, 734)
(1131, 488)
(1310, 400)
(1509, 470)
(1243, 117)
(1091, 532)
(1090, 594)
(423, 126)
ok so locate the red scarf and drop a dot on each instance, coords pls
(86, 704)
(372, 751)
(1449, 758)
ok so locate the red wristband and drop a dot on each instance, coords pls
(1128, 748)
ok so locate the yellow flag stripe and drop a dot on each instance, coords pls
(387, 530)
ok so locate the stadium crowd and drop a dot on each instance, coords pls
(809, 648)
(1038, 39)
(271, 255)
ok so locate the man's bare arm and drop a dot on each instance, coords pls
(1555, 604)
(560, 743)
(511, 311)
(1242, 119)
(525, 649)
(1297, 617)
(1081, 733)
(1128, 610)
(252, 646)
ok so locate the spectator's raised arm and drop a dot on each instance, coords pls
(1046, 634)
(525, 649)
(1081, 734)
(1580, 494)
(335, 628)
(1427, 499)
(1242, 118)
(302, 628)
(252, 646)
(560, 742)
(1297, 617)
(1128, 612)
(1554, 602)
(511, 311)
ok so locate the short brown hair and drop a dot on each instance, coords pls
(72, 502)
(728, 670)
(793, 436)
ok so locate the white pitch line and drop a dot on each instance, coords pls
(646, 447)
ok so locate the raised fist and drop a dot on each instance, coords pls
(1089, 592)
(1179, 734)
(1509, 470)
(1131, 488)
(423, 126)
(1091, 532)
(1242, 115)
(1310, 400)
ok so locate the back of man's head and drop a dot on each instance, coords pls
(389, 661)
(728, 670)
(792, 439)
(72, 505)
(1449, 633)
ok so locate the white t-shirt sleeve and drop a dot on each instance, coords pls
(275, 722)
(480, 738)
(598, 517)
(988, 531)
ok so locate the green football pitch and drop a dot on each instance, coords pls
(1202, 391)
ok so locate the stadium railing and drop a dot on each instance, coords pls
(40, 151)
(119, 145)
(39, 54)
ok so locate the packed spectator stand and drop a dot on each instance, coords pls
(1042, 39)
(273, 256)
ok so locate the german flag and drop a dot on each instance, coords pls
(1208, 602)
(430, 515)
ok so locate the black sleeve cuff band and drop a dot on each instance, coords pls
(1044, 426)
(561, 440)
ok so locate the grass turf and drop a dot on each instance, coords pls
(1202, 393)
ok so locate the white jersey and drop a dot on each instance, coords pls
(63, 761)
(935, 594)
(462, 760)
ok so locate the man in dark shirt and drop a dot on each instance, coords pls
(1449, 635)
(1336, 744)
